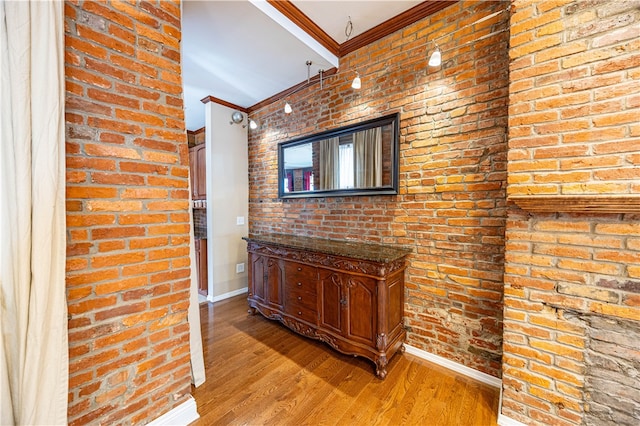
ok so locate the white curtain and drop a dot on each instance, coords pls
(193, 315)
(33, 314)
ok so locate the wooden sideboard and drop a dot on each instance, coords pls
(347, 294)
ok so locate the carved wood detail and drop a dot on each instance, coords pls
(320, 259)
(381, 341)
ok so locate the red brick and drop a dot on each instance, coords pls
(115, 125)
(111, 98)
(121, 285)
(105, 69)
(91, 277)
(93, 79)
(84, 46)
(101, 39)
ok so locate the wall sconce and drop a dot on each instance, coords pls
(236, 118)
(287, 108)
(252, 124)
(357, 84)
(436, 57)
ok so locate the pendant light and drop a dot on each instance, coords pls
(357, 84)
(436, 57)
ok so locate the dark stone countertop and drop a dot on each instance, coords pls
(372, 252)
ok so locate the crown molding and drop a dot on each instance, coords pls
(392, 25)
(296, 16)
(208, 99)
(195, 132)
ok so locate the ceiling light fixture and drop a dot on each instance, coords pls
(357, 84)
(287, 108)
(436, 57)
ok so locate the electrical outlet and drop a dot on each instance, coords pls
(240, 220)
(239, 268)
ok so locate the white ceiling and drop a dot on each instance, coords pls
(244, 51)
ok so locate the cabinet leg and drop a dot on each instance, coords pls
(251, 311)
(403, 349)
(381, 367)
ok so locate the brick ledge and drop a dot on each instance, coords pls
(578, 203)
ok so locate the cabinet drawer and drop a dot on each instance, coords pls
(301, 277)
(302, 312)
(302, 298)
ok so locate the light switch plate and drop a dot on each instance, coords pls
(240, 220)
(239, 268)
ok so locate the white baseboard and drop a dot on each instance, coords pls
(228, 295)
(458, 368)
(181, 415)
(508, 421)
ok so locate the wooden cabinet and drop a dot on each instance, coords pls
(198, 172)
(269, 273)
(350, 296)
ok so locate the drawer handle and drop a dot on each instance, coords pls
(299, 297)
(299, 313)
(299, 284)
(299, 268)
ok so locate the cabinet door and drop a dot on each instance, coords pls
(193, 170)
(274, 282)
(349, 305)
(258, 277)
(201, 181)
(361, 309)
(331, 300)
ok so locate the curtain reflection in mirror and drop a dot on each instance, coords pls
(368, 156)
(329, 163)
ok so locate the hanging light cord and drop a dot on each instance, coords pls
(348, 29)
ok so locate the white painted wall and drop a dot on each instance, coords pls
(227, 199)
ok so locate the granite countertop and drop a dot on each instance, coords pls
(358, 250)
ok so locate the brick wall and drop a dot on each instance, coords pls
(451, 206)
(573, 130)
(574, 102)
(128, 271)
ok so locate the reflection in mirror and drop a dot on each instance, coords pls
(355, 160)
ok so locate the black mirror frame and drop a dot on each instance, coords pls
(391, 119)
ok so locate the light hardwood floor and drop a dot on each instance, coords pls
(260, 373)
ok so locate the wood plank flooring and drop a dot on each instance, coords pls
(260, 373)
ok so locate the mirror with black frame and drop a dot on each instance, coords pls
(359, 159)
